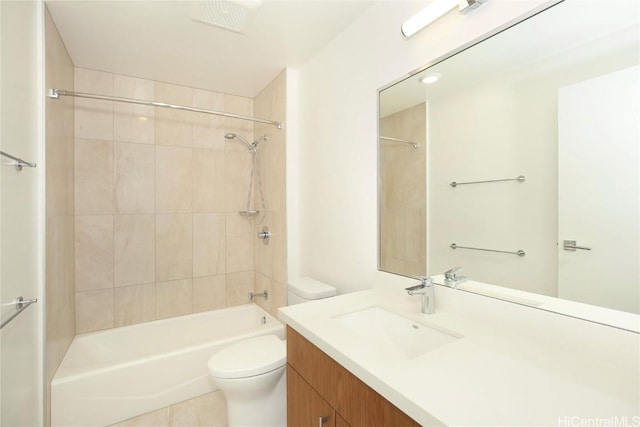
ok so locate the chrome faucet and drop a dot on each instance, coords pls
(452, 279)
(426, 291)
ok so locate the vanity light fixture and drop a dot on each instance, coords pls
(435, 10)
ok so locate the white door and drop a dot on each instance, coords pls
(21, 343)
(599, 190)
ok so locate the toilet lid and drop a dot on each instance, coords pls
(309, 288)
(249, 358)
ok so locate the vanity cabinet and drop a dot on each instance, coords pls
(309, 409)
(318, 386)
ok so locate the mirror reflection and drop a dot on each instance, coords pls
(553, 101)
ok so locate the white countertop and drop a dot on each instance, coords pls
(512, 365)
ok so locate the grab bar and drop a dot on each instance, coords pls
(21, 304)
(520, 178)
(519, 252)
(18, 162)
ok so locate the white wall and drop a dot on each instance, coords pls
(512, 132)
(21, 118)
(337, 198)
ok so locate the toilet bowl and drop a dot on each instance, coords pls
(252, 373)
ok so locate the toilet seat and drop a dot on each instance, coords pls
(248, 358)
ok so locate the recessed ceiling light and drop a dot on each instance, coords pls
(430, 78)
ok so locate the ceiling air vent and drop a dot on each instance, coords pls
(234, 15)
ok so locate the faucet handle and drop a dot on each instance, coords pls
(424, 280)
(451, 274)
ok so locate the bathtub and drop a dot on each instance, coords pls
(110, 376)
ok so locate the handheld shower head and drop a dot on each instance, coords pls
(231, 136)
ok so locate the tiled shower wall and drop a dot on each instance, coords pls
(157, 195)
(271, 259)
(403, 193)
(59, 300)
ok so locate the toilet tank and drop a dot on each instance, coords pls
(304, 289)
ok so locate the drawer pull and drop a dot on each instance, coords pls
(322, 420)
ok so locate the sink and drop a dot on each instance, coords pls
(393, 334)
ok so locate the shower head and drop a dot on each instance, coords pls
(231, 136)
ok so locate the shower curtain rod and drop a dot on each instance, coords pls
(57, 93)
(404, 141)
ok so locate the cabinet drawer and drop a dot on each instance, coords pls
(305, 407)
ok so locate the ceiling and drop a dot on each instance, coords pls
(158, 40)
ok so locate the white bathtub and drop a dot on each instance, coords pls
(113, 375)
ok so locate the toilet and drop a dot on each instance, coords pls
(252, 373)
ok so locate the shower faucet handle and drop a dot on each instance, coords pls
(265, 235)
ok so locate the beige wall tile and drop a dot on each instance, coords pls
(240, 254)
(415, 232)
(174, 259)
(244, 107)
(134, 249)
(208, 244)
(271, 104)
(273, 167)
(60, 325)
(278, 297)
(237, 178)
(134, 171)
(93, 118)
(60, 261)
(176, 207)
(59, 291)
(403, 194)
(392, 236)
(92, 81)
(208, 130)
(271, 260)
(60, 152)
(173, 127)
(131, 122)
(174, 179)
(279, 247)
(238, 226)
(264, 253)
(238, 286)
(263, 283)
(174, 298)
(208, 180)
(93, 252)
(93, 177)
(94, 310)
(208, 293)
(134, 304)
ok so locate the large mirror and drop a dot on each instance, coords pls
(548, 112)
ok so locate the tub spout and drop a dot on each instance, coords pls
(264, 295)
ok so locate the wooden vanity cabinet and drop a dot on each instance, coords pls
(318, 386)
(310, 409)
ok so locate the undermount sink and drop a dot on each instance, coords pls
(393, 334)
